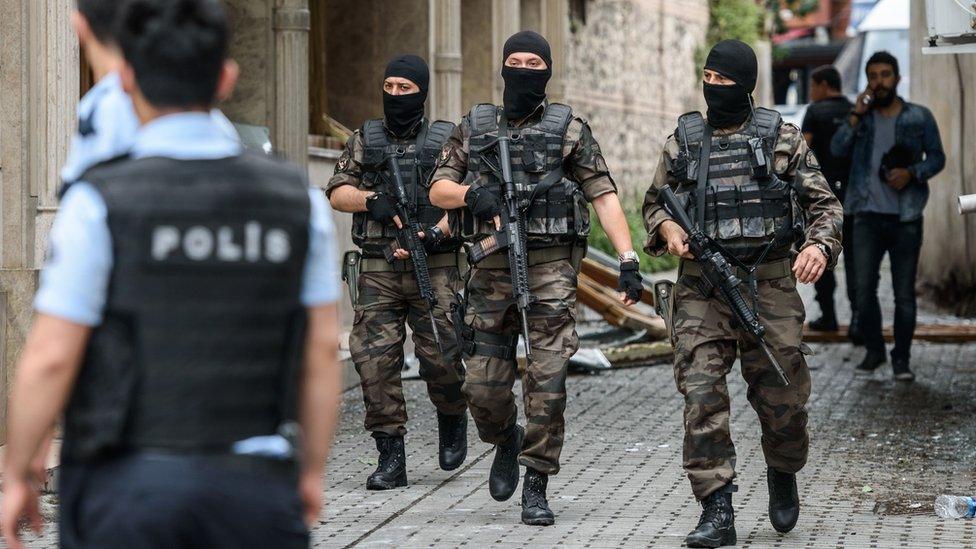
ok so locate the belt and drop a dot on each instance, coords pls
(380, 265)
(499, 260)
(779, 268)
(283, 469)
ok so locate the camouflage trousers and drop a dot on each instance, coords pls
(705, 347)
(489, 380)
(386, 301)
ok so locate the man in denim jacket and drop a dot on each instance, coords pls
(896, 149)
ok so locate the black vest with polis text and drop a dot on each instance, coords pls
(417, 158)
(558, 215)
(744, 213)
(202, 337)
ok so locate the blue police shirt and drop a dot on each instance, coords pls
(74, 281)
(107, 127)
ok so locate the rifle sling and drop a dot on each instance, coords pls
(704, 154)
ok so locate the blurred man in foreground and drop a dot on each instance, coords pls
(186, 323)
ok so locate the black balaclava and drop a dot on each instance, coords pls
(525, 89)
(403, 112)
(729, 106)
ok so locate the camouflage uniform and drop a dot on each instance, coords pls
(552, 319)
(386, 300)
(706, 339)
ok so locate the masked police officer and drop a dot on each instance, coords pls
(388, 291)
(757, 180)
(557, 167)
(186, 321)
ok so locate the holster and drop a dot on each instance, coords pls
(473, 342)
(350, 274)
(664, 304)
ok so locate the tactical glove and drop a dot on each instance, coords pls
(482, 203)
(380, 208)
(631, 281)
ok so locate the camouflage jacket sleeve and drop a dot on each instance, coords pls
(348, 170)
(584, 161)
(453, 162)
(654, 214)
(823, 213)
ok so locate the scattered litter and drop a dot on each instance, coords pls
(367, 460)
(663, 445)
(866, 489)
(872, 435)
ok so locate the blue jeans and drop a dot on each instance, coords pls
(874, 235)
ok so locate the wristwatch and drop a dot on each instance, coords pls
(629, 256)
(824, 250)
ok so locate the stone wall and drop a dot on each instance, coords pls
(630, 72)
(946, 84)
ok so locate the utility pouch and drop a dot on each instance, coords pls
(350, 274)
(758, 158)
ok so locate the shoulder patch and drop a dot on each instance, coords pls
(445, 154)
(811, 160)
(343, 163)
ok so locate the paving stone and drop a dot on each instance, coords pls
(622, 485)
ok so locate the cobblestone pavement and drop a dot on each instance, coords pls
(880, 453)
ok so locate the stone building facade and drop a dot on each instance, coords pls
(631, 72)
(626, 65)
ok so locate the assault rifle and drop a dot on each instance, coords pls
(409, 240)
(512, 234)
(720, 274)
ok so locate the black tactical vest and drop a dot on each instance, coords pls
(745, 212)
(418, 157)
(203, 328)
(558, 216)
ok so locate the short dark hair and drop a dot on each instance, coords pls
(882, 57)
(177, 49)
(101, 16)
(828, 74)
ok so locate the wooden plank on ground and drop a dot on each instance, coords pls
(604, 301)
(937, 333)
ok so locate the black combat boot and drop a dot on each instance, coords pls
(784, 502)
(872, 360)
(716, 527)
(392, 469)
(504, 476)
(453, 435)
(535, 508)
